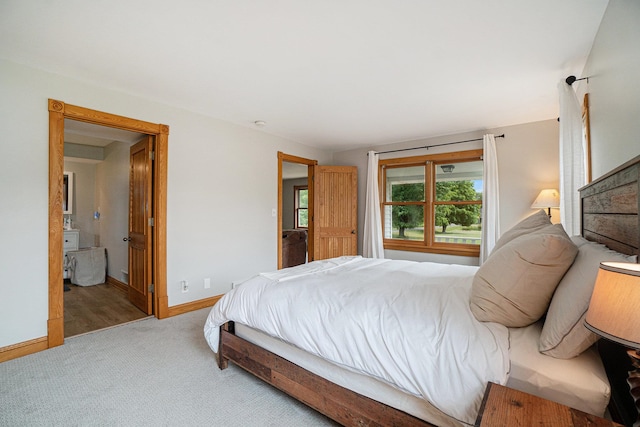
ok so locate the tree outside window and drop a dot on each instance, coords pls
(301, 206)
(433, 203)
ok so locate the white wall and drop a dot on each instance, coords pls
(112, 201)
(527, 163)
(83, 201)
(222, 186)
(613, 68)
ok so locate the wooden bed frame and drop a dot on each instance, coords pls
(338, 403)
(610, 216)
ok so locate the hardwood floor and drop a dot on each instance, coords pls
(89, 308)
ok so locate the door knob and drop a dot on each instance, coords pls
(353, 231)
(126, 239)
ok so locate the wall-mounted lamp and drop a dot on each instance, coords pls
(614, 313)
(447, 168)
(547, 199)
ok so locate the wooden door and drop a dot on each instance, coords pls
(335, 211)
(140, 224)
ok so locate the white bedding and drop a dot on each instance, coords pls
(409, 325)
(580, 382)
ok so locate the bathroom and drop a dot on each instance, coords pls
(96, 162)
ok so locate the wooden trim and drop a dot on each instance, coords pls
(15, 351)
(55, 323)
(586, 130)
(111, 120)
(460, 249)
(282, 157)
(338, 403)
(429, 162)
(436, 158)
(23, 349)
(58, 111)
(192, 306)
(161, 298)
(118, 284)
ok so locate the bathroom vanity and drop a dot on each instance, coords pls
(70, 242)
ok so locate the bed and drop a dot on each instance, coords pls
(433, 370)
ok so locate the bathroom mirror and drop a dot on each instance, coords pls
(67, 193)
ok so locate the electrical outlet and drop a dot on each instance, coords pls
(185, 286)
(207, 282)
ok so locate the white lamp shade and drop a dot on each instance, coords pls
(614, 310)
(548, 198)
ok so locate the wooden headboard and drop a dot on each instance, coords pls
(610, 209)
(610, 215)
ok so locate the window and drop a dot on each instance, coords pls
(301, 213)
(433, 203)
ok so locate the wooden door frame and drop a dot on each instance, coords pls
(58, 111)
(282, 157)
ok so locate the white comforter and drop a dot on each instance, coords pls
(405, 323)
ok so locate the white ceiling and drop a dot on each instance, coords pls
(335, 74)
(99, 136)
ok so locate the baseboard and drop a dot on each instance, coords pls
(118, 284)
(192, 306)
(35, 345)
(22, 349)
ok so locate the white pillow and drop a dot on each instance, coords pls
(564, 335)
(514, 286)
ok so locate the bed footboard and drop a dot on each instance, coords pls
(338, 403)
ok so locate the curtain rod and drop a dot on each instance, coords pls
(435, 145)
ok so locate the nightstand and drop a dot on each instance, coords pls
(503, 406)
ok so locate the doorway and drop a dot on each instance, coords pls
(98, 166)
(294, 172)
(58, 112)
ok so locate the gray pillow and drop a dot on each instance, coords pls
(564, 335)
(515, 285)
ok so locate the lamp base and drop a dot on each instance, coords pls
(634, 381)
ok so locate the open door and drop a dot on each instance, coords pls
(335, 211)
(141, 225)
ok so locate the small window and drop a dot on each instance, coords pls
(433, 203)
(301, 213)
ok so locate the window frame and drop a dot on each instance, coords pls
(430, 162)
(296, 205)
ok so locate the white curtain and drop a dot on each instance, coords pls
(490, 202)
(572, 159)
(372, 246)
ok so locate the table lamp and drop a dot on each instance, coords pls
(614, 313)
(547, 199)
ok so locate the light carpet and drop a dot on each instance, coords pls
(145, 373)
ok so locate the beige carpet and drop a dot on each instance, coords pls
(146, 373)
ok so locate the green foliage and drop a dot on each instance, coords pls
(303, 218)
(303, 201)
(409, 216)
(303, 205)
(464, 215)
